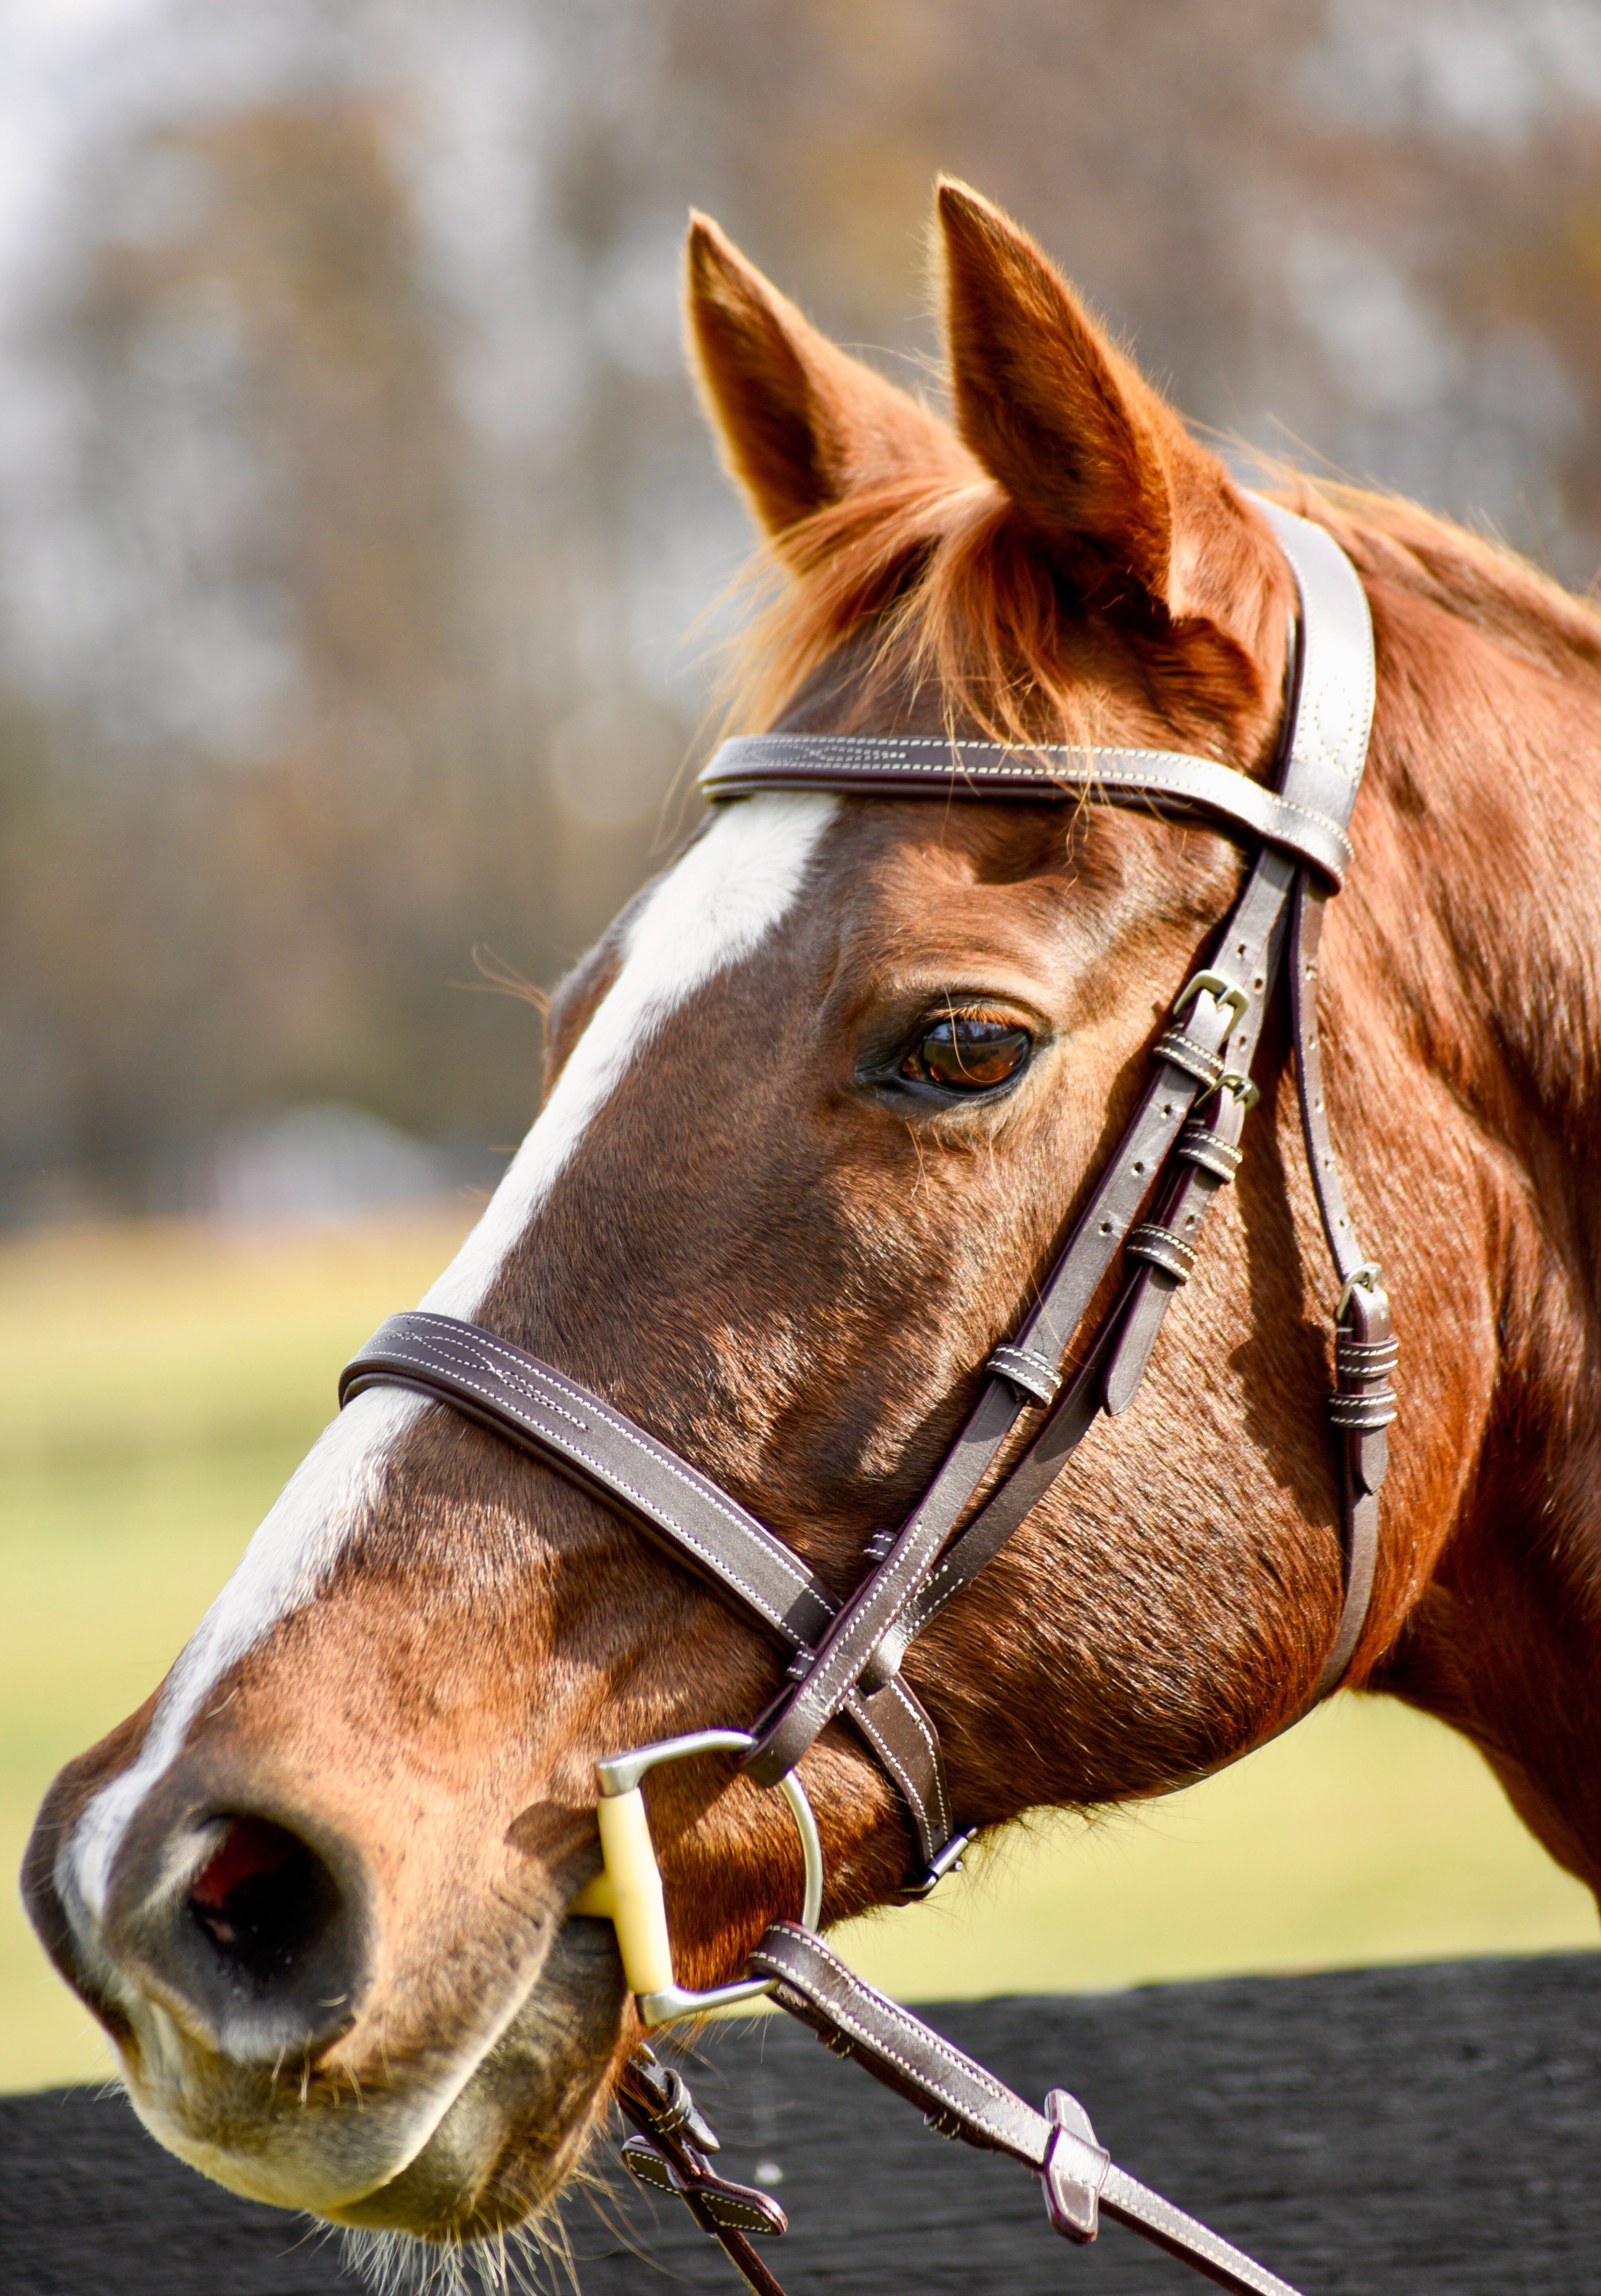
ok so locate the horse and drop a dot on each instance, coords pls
(818, 1110)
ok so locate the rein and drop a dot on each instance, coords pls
(1181, 1145)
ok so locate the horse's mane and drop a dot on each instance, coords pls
(954, 587)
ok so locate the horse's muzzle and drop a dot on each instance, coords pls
(287, 2027)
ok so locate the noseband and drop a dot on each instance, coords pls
(1181, 1145)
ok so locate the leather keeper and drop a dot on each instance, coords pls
(1199, 1145)
(1365, 1358)
(1363, 1415)
(1026, 1372)
(1182, 1051)
(1074, 2171)
(1164, 1249)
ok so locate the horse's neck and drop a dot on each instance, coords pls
(1483, 928)
(1480, 876)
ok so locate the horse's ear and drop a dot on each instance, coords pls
(1093, 457)
(801, 424)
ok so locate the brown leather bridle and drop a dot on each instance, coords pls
(1181, 1145)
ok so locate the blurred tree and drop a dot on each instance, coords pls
(346, 604)
(277, 907)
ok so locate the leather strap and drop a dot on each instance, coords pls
(881, 766)
(1204, 1162)
(669, 2154)
(594, 1445)
(961, 2099)
(1331, 716)
(1363, 1404)
(598, 1448)
(1305, 815)
(864, 1630)
(1107, 1376)
(1332, 724)
(1306, 938)
(1327, 723)
(846, 1656)
(1110, 1367)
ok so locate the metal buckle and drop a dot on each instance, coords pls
(1222, 991)
(1367, 1276)
(628, 1892)
(1241, 1086)
(948, 1861)
(1074, 2169)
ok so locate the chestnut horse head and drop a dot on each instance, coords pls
(819, 1108)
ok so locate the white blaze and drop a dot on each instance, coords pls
(711, 911)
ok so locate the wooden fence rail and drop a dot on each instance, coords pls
(1429, 2131)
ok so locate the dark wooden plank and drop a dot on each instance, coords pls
(90, 2206)
(1435, 2131)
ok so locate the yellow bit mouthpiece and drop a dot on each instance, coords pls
(629, 1892)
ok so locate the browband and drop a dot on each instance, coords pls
(871, 764)
(1328, 719)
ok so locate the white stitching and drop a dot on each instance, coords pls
(1271, 801)
(1126, 2192)
(909, 1708)
(854, 1704)
(747, 1525)
(450, 1342)
(957, 2064)
(1176, 1036)
(1263, 802)
(1353, 772)
(1029, 1355)
(720, 1567)
(824, 1683)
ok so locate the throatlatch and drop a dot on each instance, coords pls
(1181, 1145)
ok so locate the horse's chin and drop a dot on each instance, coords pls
(452, 2161)
(506, 2146)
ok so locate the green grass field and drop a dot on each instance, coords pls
(157, 1384)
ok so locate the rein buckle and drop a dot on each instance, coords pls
(668, 2152)
(1073, 2170)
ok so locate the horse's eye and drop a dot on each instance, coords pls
(968, 1055)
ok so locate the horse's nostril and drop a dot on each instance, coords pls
(263, 1898)
(256, 1929)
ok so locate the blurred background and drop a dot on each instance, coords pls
(363, 564)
